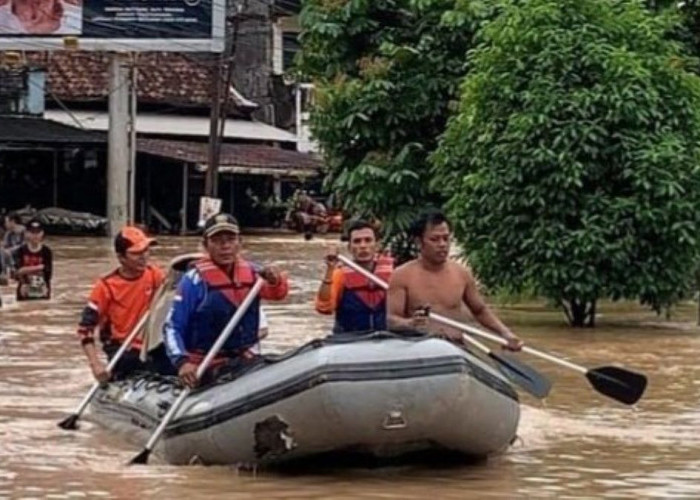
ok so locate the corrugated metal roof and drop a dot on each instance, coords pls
(176, 125)
(237, 158)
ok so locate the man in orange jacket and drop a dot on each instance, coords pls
(358, 303)
(117, 302)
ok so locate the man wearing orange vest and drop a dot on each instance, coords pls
(209, 295)
(117, 302)
(359, 304)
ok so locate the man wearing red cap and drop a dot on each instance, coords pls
(117, 302)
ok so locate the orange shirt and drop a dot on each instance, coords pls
(116, 304)
(337, 283)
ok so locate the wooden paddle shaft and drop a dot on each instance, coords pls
(112, 363)
(502, 341)
(467, 328)
(223, 337)
(431, 315)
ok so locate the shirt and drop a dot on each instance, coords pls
(37, 284)
(117, 303)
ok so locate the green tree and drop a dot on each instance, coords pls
(572, 165)
(385, 72)
(687, 31)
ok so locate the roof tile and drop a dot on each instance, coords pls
(164, 77)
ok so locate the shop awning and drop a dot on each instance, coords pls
(237, 158)
(19, 130)
(175, 125)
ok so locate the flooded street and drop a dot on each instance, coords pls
(580, 444)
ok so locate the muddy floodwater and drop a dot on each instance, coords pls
(577, 444)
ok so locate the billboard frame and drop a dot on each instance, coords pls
(215, 43)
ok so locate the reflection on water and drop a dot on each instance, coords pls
(576, 444)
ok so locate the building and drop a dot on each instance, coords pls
(259, 162)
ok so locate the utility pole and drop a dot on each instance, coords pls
(211, 181)
(118, 144)
(231, 46)
(133, 80)
(219, 109)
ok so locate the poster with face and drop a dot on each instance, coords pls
(41, 17)
(109, 25)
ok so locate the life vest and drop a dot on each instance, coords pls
(362, 306)
(222, 298)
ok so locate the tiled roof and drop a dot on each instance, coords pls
(26, 130)
(164, 77)
(233, 155)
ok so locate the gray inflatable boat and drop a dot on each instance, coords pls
(380, 395)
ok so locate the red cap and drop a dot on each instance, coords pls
(132, 239)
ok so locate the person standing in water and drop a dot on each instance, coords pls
(117, 302)
(33, 264)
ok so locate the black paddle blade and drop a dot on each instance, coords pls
(523, 375)
(141, 458)
(620, 384)
(69, 423)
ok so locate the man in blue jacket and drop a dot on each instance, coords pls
(209, 295)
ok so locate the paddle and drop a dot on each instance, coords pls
(617, 383)
(178, 264)
(519, 373)
(142, 457)
(153, 335)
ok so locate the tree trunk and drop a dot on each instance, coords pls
(581, 314)
(697, 289)
(591, 314)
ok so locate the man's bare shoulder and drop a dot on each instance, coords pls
(403, 272)
(461, 269)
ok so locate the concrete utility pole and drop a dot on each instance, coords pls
(118, 144)
(220, 94)
(133, 77)
(211, 179)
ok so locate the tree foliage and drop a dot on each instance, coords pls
(385, 73)
(572, 164)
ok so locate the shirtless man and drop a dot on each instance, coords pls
(434, 282)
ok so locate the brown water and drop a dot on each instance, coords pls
(579, 445)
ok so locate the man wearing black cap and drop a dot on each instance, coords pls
(33, 262)
(209, 295)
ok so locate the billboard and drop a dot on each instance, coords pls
(113, 25)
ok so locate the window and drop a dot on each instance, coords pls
(290, 47)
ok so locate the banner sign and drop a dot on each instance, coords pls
(207, 208)
(116, 25)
